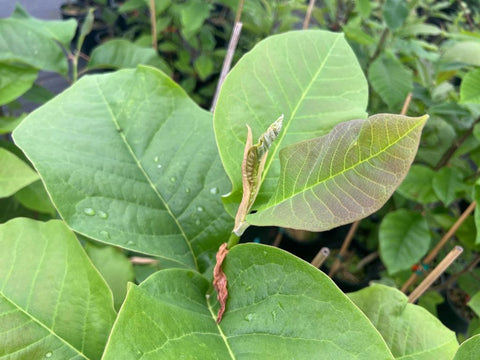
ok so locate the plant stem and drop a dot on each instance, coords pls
(344, 248)
(308, 14)
(439, 269)
(454, 147)
(232, 240)
(379, 47)
(406, 104)
(433, 253)
(366, 260)
(153, 24)
(321, 257)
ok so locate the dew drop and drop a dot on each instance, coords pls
(48, 354)
(173, 179)
(280, 305)
(159, 166)
(89, 211)
(249, 317)
(214, 191)
(200, 208)
(187, 190)
(155, 159)
(130, 242)
(197, 222)
(102, 214)
(105, 234)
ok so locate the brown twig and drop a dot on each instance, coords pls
(321, 257)
(278, 238)
(153, 24)
(308, 14)
(379, 47)
(344, 248)
(366, 260)
(454, 147)
(406, 104)
(435, 273)
(433, 253)
(138, 260)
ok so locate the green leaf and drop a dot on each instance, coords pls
(53, 303)
(395, 12)
(15, 81)
(35, 197)
(39, 47)
(470, 88)
(115, 268)
(132, 162)
(474, 303)
(391, 80)
(466, 52)
(430, 300)
(279, 307)
(469, 349)
(404, 238)
(410, 331)
(417, 186)
(312, 77)
(343, 176)
(192, 16)
(122, 54)
(419, 29)
(364, 8)
(8, 123)
(203, 66)
(447, 182)
(14, 173)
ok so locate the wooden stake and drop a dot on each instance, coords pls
(321, 257)
(428, 281)
(308, 14)
(344, 248)
(433, 253)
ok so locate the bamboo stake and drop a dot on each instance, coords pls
(344, 248)
(308, 14)
(153, 25)
(321, 257)
(232, 45)
(433, 253)
(428, 281)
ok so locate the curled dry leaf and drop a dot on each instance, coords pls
(220, 281)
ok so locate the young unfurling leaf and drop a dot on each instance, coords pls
(254, 158)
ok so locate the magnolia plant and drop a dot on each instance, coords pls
(130, 161)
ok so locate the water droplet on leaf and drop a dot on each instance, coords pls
(130, 242)
(187, 190)
(249, 317)
(155, 159)
(89, 211)
(173, 179)
(200, 208)
(214, 190)
(48, 354)
(105, 234)
(197, 222)
(102, 214)
(159, 166)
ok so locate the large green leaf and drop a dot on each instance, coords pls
(14, 173)
(470, 88)
(391, 80)
(122, 54)
(53, 303)
(279, 307)
(404, 238)
(418, 185)
(130, 160)
(343, 176)
(469, 349)
(465, 52)
(395, 12)
(15, 81)
(35, 197)
(312, 77)
(410, 331)
(38, 48)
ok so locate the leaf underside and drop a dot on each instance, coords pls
(343, 176)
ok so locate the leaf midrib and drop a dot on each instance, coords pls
(274, 203)
(286, 124)
(149, 181)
